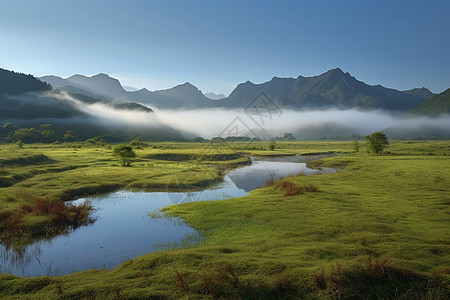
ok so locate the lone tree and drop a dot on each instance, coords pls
(125, 154)
(272, 145)
(356, 146)
(377, 141)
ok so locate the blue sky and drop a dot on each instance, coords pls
(217, 44)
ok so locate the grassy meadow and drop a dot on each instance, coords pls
(378, 228)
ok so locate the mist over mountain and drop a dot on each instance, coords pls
(333, 89)
(333, 104)
(28, 102)
(100, 84)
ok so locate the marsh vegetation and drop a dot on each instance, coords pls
(379, 227)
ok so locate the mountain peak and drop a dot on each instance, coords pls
(74, 76)
(101, 75)
(336, 71)
(100, 84)
(420, 92)
(188, 84)
(336, 75)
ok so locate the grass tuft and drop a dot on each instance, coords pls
(181, 283)
(289, 188)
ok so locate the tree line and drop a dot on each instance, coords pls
(45, 134)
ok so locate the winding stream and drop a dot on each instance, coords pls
(124, 230)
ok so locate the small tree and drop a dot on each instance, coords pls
(125, 154)
(48, 133)
(272, 145)
(376, 142)
(289, 137)
(356, 146)
(70, 136)
(26, 135)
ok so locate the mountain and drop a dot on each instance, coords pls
(435, 106)
(333, 89)
(214, 96)
(22, 97)
(183, 96)
(422, 92)
(13, 83)
(28, 102)
(100, 84)
(104, 87)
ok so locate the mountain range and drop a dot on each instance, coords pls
(332, 89)
(26, 101)
(99, 104)
(102, 86)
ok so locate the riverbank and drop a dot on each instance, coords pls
(39, 174)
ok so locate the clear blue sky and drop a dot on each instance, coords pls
(218, 44)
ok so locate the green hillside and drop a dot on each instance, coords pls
(13, 83)
(437, 105)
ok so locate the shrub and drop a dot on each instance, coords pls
(271, 146)
(290, 188)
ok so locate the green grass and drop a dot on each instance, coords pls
(69, 171)
(379, 228)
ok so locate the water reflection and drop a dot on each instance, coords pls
(124, 229)
(261, 171)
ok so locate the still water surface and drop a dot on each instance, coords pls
(124, 230)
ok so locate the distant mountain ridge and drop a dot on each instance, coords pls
(102, 86)
(332, 89)
(435, 106)
(183, 96)
(421, 92)
(214, 96)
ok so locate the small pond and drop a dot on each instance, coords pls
(124, 230)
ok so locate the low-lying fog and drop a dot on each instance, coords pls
(303, 124)
(60, 107)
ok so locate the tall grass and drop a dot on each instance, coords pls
(57, 217)
(289, 188)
